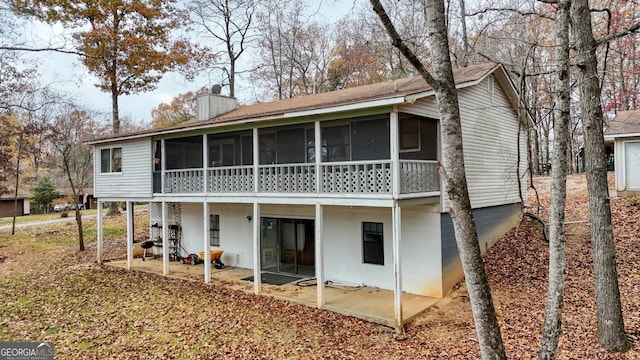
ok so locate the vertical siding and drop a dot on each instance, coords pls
(490, 140)
(135, 178)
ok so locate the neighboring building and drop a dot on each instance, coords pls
(624, 131)
(368, 210)
(7, 205)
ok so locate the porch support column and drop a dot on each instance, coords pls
(205, 165)
(165, 239)
(394, 150)
(257, 267)
(130, 232)
(99, 219)
(319, 256)
(206, 245)
(397, 268)
(256, 163)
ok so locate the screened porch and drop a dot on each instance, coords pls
(357, 157)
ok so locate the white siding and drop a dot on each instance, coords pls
(420, 249)
(135, 178)
(490, 141)
(420, 244)
(620, 162)
(235, 232)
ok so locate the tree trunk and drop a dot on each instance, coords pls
(113, 206)
(611, 333)
(453, 171)
(15, 198)
(80, 231)
(552, 327)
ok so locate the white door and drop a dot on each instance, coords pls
(632, 165)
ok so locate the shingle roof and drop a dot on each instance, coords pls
(381, 91)
(625, 122)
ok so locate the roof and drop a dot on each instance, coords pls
(625, 124)
(384, 93)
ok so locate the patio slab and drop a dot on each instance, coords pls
(367, 303)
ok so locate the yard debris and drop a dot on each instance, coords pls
(104, 312)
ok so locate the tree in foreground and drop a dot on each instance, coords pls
(72, 158)
(552, 327)
(453, 171)
(611, 333)
(127, 44)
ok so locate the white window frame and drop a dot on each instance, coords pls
(111, 151)
(401, 134)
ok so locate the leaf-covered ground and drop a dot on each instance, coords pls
(50, 292)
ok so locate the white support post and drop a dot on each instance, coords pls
(394, 150)
(205, 164)
(206, 245)
(396, 224)
(257, 254)
(100, 233)
(319, 227)
(130, 232)
(165, 238)
(256, 161)
(318, 156)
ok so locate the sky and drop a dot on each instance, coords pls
(66, 73)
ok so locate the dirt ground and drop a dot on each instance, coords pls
(51, 292)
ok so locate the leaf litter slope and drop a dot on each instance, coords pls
(55, 294)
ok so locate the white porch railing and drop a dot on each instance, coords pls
(418, 176)
(357, 177)
(290, 178)
(230, 179)
(183, 181)
(353, 177)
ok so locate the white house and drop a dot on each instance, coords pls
(624, 131)
(369, 210)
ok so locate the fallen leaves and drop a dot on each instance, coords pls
(93, 312)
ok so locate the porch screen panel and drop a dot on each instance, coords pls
(290, 146)
(335, 143)
(247, 150)
(183, 153)
(370, 139)
(267, 145)
(427, 148)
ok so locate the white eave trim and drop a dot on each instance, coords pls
(350, 107)
(617, 136)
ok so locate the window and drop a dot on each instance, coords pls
(410, 134)
(111, 160)
(372, 243)
(214, 226)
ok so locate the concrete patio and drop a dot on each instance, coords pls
(370, 304)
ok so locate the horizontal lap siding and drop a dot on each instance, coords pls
(490, 135)
(490, 142)
(135, 178)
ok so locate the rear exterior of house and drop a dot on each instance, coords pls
(340, 186)
(624, 131)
